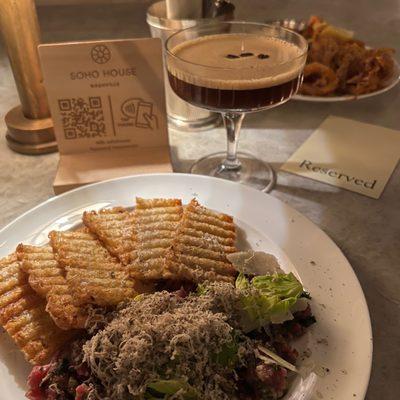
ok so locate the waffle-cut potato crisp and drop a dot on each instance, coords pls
(23, 315)
(44, 272)
(156, 224)
(199, 249)
(47, 278)
(94, 275)
(115, 228)
(63, 309)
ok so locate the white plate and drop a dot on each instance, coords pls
(340, 341)
(348, 97)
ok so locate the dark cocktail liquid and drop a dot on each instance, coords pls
(234, 99)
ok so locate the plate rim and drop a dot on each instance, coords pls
(298, 214)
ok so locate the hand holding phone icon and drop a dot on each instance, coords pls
(144, 116)
(141, 112)
(151, 120)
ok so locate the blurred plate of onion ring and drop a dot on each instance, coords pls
(389, 84)
(340, 67)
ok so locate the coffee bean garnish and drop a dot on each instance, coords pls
(246, 54)
(263, 56)
(232, 56)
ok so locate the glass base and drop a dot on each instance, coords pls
(252, 172)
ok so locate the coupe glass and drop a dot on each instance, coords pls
(235, 68)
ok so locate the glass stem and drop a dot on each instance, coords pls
(233, 123)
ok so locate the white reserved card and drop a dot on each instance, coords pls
(348, 154)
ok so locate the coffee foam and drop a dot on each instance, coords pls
(204, 61)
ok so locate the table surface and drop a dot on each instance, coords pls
(367, 230)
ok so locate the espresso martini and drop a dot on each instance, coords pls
(235, 71)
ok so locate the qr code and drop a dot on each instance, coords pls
(82, 118)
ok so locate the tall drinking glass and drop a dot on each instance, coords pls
(235, 68)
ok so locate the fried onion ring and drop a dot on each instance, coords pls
(338, 64)
(319, 80)
(378, 67)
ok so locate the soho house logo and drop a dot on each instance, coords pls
(100, 54)
(341, 176)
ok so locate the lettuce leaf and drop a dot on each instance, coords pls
(201, 289)
(242, 282)
(282, 285)
(228, 355)
(164, 388)
(274, 295)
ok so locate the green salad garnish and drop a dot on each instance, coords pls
(269, 297)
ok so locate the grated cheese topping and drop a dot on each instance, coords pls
(162, 336)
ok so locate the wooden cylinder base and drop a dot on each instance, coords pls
(29, 136)
(31, 149)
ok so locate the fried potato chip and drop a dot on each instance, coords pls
(115, 228)
(199, 249)
(42, 268)
(47, 278)
(94, 275)
(62, 308)
(23, 315)
(156, 223)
